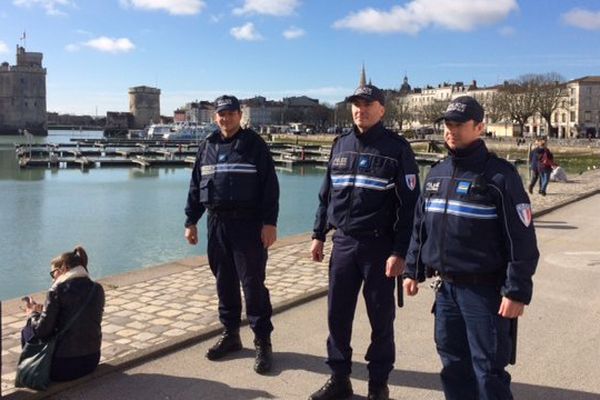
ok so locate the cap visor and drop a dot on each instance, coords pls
(359, 97)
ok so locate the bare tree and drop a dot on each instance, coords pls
(550, 90)
(517, 101)
(492, 105)
(430, 112)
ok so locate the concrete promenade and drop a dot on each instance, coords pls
(170, 310)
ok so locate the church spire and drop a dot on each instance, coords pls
(363, 77)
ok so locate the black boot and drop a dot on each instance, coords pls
(264, 355)
(378, 392)
(336, 388)
(227, 343)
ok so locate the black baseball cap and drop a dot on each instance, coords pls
(463, 109)
(227, 103)
(369, 93)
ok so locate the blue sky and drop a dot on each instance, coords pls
(198, 49)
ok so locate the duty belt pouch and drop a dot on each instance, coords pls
(206, 191)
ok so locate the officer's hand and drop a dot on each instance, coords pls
(411, 286)
(316, 250)
(191, 234)
(394, 266)
(511, 308)
(268, 235)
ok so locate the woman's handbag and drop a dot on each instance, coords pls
(35, 362)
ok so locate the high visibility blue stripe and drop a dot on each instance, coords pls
(461, 209)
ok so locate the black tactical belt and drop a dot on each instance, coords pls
(233, 213)
(472, 279)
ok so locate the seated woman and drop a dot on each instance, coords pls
(77, 351)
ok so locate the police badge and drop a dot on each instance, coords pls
(411, 181)
(524, 211)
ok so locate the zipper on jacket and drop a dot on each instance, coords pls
(355, 170)
(445, 222)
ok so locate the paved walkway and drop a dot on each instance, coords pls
(156, 310)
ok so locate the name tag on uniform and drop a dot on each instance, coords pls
(432, 187)
(463, 187)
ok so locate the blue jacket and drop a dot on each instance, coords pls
(372, 184)
(474, 217)
(236, 174)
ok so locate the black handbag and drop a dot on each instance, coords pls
(35, 362)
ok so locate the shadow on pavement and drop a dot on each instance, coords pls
(155, 386)
(420, 380)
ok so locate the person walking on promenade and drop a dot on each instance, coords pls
(473, 231)
(368, 196)
(541, 161)
(77, 351)
(234, 179)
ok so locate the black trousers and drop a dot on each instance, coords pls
(355, 261)
(236, 256)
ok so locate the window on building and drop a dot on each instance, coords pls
(572, 101)
(573, 116)
(564, 117)
(587, 116)
(589, 90)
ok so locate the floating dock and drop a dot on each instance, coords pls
(97, 153)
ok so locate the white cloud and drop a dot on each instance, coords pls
(173, 7)
(3, 47)
(72, 47)
(457, 15)
(110, 45)
(51, 6)
(246, 32)
(583, 19)
(293, 33)
(507, 31)
(276, 8)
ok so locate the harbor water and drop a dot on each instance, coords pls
(126, 218)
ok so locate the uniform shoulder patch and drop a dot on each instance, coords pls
(524, 211)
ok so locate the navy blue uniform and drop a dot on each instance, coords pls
(234, 179)
(368, 196)
(473, 227)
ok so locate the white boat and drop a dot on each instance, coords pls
(158, 131)
(189, 131)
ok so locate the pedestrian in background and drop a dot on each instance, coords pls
(541, 162)
(473, 231)
(234, 179)
(368, 196)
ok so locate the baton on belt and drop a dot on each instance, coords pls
(513, 336)
(399, 292)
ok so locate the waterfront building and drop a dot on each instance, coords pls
(259, 111)
(23, 95)
(578, 113)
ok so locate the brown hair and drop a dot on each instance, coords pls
(71, 259)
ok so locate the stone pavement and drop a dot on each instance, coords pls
(153, 311)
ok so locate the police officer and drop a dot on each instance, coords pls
(368, 196)
(473, 230)
(234, 179)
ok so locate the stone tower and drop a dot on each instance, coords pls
(23, 95)
(144, 105)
